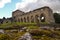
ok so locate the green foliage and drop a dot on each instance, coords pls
(57, 17)
(44, 38)
(40, 32)
(36, 34)
(18, 35)
(4, 37)
(45, 34)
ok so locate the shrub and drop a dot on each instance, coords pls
(4, 37)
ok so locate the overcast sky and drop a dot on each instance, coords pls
(8, 6)
(28, 5)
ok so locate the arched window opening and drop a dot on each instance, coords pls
(6, 21)
(24, 19)
(21, 20)
(42, 18)
(28, 19)
(18, 20)
(13, 17)
(32, 19)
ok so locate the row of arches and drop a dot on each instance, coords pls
(32, 18)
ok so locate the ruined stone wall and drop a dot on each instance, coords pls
(16, 14)
(35, 15)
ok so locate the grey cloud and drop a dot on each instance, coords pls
(53, 4)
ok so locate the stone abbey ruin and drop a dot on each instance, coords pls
(44, 14)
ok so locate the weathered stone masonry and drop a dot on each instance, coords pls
(44, 14)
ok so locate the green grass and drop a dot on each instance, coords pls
(33, 27)
(4, 37)
(8, 25)
(14, 36)
(38, 34)
(45, 34)
(44, 23)
(18, 35)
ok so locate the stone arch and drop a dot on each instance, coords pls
(37, 19)
(18, 20)
(27, 19)
(32, 19)
(15, 19)
(21, 20)
(42, 17)
(24, 19)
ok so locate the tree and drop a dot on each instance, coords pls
(57, 17)
(4, 18)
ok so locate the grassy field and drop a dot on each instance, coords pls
(33, 29)
(14, 24)
(36, 34)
